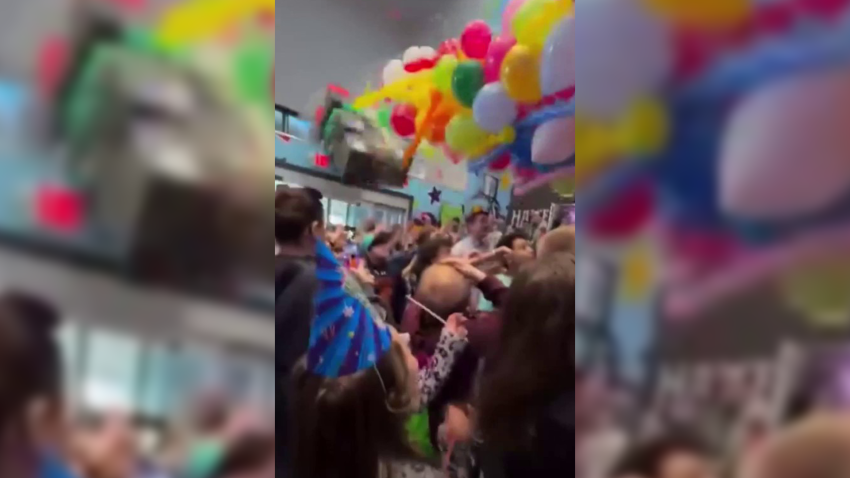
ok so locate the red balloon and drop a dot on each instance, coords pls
(496, 54)
(448, 47)
(625, 215)
(502, 163)
(403, 120)
(476, 39)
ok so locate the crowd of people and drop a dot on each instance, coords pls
(473, 380)
(43, 436)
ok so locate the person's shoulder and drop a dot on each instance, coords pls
(291, 271)
(462, 247)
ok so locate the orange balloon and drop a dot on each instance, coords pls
(437, 133)
(521, 74)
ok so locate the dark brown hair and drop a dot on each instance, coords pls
(248, 454)
(30, 373)
(295, 211)
(349, 426)
(531, 369)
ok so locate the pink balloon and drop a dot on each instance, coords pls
(508, 15)
(496, 54)
(554, 142)
(788, 127)
(476, 39)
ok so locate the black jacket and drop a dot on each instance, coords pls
(295, 288)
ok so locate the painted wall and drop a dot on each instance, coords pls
(302, 153)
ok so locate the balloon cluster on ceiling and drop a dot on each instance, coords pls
(498, 101)
(722, 125)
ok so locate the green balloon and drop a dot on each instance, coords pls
(467, 81)
(384, 117)
(254, 66)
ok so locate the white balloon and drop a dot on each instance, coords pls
(554, 142)
(493, 109)
(629, 53)
(412, 54)
(393, 72)
(427, 52)
(786, 150)
(558, 69)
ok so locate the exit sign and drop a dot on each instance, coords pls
(322, 161)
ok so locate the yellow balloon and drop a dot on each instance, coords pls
(198, 20)
(521, 74)
(463, 135)
(535, 20)
(593, 143)
(565, 187)
(444, 72)
(820, 290)
(644, 130)
(414, 89)
(637, 274)
(705, 14)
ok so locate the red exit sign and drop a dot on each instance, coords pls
(322, 161)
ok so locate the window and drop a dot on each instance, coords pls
(337, 212)
(159, 394)
(112, 371)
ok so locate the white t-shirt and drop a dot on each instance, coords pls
(469, 246)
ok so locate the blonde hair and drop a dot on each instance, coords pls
(559, 241)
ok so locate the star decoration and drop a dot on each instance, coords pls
(372, 358)
(348, 312)
(435, 195)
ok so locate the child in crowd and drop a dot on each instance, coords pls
(358, 387)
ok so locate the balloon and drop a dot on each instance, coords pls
(383, 117)
(632, 56)
(449, 47)
(713, 14)
(467, 81)
(760, 162)
(625, 215)
(444, 72)
(463, 135)
(501, 164)
(565, 187)
(418, 58)
(493, 110)
(521, 74)
(820, 290)
(554, 142)
(393, 72)
(403, 119)
(508, 16)
(499, 48)
(557, 64)
(254, 64)
(644, 129)
(196, 20)
(476, 39)
(535, 19)
(436, 134)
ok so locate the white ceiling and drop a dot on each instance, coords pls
(317, 41)
(348, 42)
